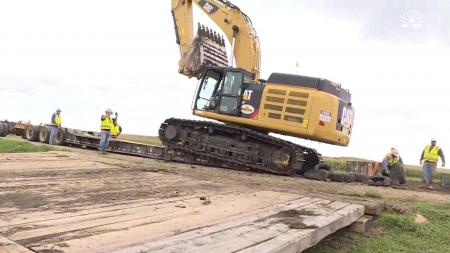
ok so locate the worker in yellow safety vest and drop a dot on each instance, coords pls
(116, 129)
(105, 127)
(429, 159)
(56, 123)
(392, 167)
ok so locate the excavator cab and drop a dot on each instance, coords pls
(220, 90)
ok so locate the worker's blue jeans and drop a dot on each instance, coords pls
(104, 141)
(428, 171)
(53, 131)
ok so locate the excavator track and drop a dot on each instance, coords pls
(238, 147)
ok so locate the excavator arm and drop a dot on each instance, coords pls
(208, 48)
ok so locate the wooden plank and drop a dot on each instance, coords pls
(362, 225)
(241, 224)
(138, 226)
(294, 241)
(8, 246)
(234, 240)
(87, 211)
(261, 231)
(200, 218)
(129, 217)
(373, 207)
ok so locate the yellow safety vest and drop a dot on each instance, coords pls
(393, 160)
(107, 124)
(431, 155)
(115, 130)
(57, 120)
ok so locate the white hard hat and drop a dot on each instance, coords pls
(58, 110)
(395, 152)
(433, 139)
(109, 110)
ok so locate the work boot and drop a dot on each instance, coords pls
(425, 183)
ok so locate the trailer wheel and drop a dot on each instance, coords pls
(317, 174)
(24, 136)
(2, 130)
(5, 129)
(44, 134)
(60, 138)
(323, 166)
(341, 177)
(32, 133)
(378, 181)
(360, 177)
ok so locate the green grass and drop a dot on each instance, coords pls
(152, 140)
(414, 172)
(401, 234)
(12, 146)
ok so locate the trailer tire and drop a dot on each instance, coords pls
(32, 133)
(317, 174)
(5, 129)
(60, 138)
(340, 177)
(323, 166)
(360, 177)
(2, 130)
(378, 181)
(24, 136)
(44, 134)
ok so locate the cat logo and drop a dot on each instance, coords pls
(247, 95)
(347, 119)
(208, 7)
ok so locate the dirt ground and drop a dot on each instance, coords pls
(116, 191)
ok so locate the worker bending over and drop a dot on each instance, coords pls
(116, 129)
(105, 127)
(392, 167)
(56, 123)
(429, 159)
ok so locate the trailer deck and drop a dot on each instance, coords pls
(91, 140)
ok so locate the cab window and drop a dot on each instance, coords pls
(232, 84)
(207, 88)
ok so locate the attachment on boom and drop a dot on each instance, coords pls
(207, 49)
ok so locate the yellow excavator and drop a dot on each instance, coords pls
(231, 91)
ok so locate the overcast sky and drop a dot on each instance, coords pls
(85, 56)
